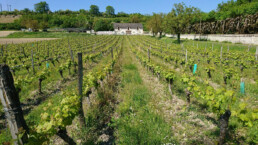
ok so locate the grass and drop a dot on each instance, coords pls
(44, 35)
(138, 123)
(217, 45)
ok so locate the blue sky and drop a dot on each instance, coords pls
(128, 6)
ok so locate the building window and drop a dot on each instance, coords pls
(137, 28)
(118, 28)
(128, 28)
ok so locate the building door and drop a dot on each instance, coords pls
(128, 32)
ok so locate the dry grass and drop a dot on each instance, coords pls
(8, 18)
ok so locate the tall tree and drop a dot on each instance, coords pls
(179, 18)
(41, 7)
(26, 11)
(110, 11)
(155, 23)
(94, 10)
(135, 18)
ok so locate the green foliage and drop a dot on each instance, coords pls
(63, 116)
(102, 25)
(94, 10)
(10, 26)
(229, 9)
(209, 68)
(246, 115)
(155, 23)
(41, 7)
(90, 81)
(110, 11)
(179, 18)
(44, 74)
(169, 75)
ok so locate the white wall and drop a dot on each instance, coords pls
(234, 38)
(105, 33)
(133, 31)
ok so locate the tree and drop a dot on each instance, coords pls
(94, 10)
(155, 23)
(41, 7)
(179, 18)
(135, 18)
(102, 25)
(26, 11)
(110, 11)
(43, 25)
(29, 23)
(122, 14)
(82, 11)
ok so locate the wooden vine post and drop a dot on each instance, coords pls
(212, 46)
(32, 62)
(37, 46)
(185, 57)
(112, 55)
(47, 50)
(116, 51)
(12, 108)
(80, 73)
(24, 52)
(72, 58)
(80, 83)
(149, 54)
(221, 53)
(2, 51)
(6, 46)
(71, 51)
(223, 125)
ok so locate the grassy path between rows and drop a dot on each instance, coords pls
(136, 121)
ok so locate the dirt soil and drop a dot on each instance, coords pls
(6, 33)
(22, 40)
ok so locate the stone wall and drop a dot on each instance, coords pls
(239, 25)
(234, 38)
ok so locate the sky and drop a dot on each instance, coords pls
(127, 6)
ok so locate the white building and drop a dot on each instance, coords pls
(128, 28)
